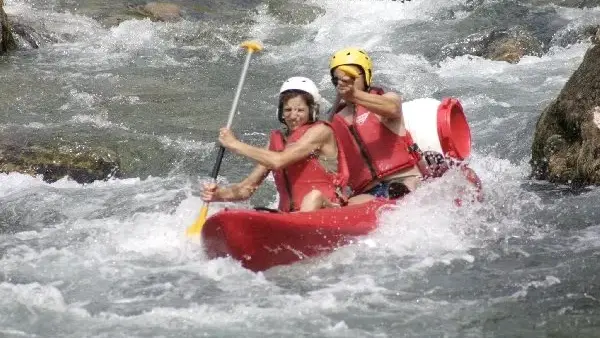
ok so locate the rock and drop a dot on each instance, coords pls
(28, 37)
(293, 12)
(554, 144)
(498, 45)
(159, 11)
(114, 19)
(566, 144)
(568, 3)
(19, 32)
(596, 37)
(499, 31)
(82, 164)
(573, 35)
(7, 41)
(471, 5)
(512, 45)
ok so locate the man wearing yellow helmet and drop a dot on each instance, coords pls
(382, 157)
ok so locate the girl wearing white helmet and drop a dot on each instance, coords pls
(310, 170)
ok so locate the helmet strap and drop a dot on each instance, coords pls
(314, 112)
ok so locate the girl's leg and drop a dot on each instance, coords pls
(358, 199)
(315, 200)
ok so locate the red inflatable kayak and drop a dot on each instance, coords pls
(263, 239)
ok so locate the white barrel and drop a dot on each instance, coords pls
(439, 126)
(420, 119)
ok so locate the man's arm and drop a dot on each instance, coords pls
(313, 139)
(388, 105)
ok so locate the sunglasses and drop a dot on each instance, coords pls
(335, 79)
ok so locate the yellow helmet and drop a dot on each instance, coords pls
(353, 56)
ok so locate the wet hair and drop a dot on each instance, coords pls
(290, 94)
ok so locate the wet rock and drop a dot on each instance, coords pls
(473, 44)
(471, 5)
(503, 30)
(596, 37)
(7, 41)
(23, 33)
(28, 37)
(293, 12)
(533, 28)
(114, 19)
(81, 164)
(498, 45)
(568, 3)
(511, 45)
(566, 144)
(498, 16)
(574, 35)
(159, 11)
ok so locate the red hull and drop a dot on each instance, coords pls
(261, 239)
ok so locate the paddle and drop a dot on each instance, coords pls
(351, 73)
(252, 46)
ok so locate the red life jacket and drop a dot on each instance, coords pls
(299, 178)
(373, 151)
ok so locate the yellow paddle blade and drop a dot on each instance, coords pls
(349, 71)
(196, 228)
(252, 46)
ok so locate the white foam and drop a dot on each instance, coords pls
(205, 148)
(547, 282)
(37, 297)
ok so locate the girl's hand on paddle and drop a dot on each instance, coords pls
(227, 139)
(209, 192)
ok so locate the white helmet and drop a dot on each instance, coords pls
(303, 84)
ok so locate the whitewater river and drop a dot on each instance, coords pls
(110, 259)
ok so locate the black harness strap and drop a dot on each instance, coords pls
(288, 185)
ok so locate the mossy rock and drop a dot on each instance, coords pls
(82, 164)
(158, 11)
(566, 143)
(7, 40)
(512, 45)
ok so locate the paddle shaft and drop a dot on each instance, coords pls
(236, 99)
(196, 228)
